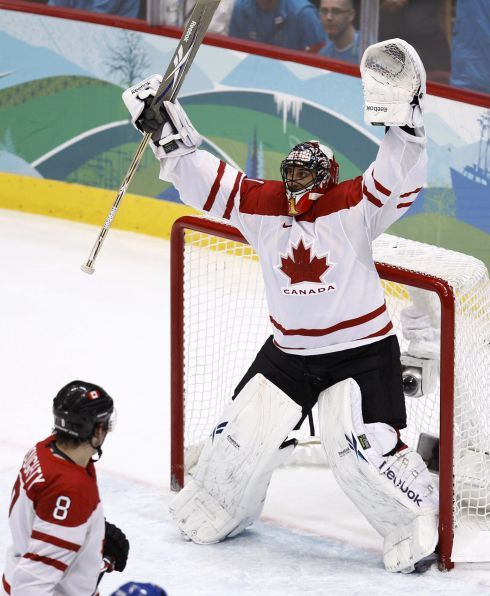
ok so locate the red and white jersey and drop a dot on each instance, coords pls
(57, 526)
(322, 288)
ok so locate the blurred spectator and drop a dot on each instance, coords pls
(293, 24)
(342, 41)
(123, 8)
(419, 23)
(470, 47)
(176, 12)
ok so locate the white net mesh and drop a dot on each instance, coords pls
(468, 279)
(226, 321)
(225, 324)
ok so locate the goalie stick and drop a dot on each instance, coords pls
(189, 43)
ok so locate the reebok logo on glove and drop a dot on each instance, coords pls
(137, 89)
(376, 108)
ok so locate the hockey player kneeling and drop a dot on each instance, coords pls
(333, 340)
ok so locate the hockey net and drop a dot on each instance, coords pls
(220, 320)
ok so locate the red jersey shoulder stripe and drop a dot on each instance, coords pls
(55, 541)
(370, 197)
(382, 189)
(231, 198)
(46, 561)
(5, 584)
(215, 187)
(402, 205)
(348, 323)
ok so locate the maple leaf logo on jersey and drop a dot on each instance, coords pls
(302, 266)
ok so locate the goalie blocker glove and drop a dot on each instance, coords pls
(393, 81)
(171, 130)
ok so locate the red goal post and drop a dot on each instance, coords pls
(214, 304)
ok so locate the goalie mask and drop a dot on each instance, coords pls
(309, 170)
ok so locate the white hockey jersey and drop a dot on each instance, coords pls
(57, 526)
(323, 291)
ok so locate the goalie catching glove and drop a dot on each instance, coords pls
(393, 81)
(171, 130)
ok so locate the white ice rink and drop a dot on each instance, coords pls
(58, 324)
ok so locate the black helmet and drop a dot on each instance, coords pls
(79, 407)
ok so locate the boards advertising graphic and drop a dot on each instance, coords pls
(62, 118)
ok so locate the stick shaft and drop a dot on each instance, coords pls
(88, 267)
(180, 63)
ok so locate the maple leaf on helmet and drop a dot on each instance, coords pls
(308, 169)
(302, 266)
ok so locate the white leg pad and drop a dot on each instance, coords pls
(395, 493)
(406, 545)
(229, 486)
(199, 515)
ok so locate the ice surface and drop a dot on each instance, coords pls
(58, 324)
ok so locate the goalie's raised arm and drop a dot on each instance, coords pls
(393, 81)
(202, 180)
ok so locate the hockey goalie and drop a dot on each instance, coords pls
(333, 345)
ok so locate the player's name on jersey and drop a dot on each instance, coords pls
(308, 289)
(31, 469)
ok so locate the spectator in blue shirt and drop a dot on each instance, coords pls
(293, 24)
(470, 65)
(342, 42)
(122, 8)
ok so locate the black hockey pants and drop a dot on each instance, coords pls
(375, 367)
